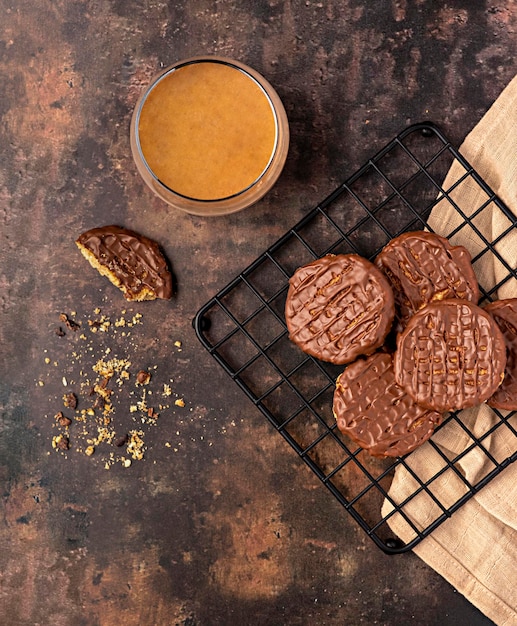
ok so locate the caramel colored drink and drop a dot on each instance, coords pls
(210, 136)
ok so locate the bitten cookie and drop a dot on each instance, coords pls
(132, 262)
(376, 413)
(338, 307)
(423, 267)
(450, 356)
(505, 314)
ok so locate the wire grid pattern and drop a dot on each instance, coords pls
(243, 328)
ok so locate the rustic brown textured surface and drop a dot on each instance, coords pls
(224, 526)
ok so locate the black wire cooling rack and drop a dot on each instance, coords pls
(243, 328)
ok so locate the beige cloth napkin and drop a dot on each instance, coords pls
(475, 550)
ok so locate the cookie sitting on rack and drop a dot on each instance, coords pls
(505, 314)
(376, 413)
(339, 307)
(450, 356)
(423, 267)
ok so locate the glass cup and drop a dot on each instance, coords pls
(209, 135)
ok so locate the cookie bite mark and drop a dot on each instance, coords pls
(423, 267)
(132, 262)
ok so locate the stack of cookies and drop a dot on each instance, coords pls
(448, 353)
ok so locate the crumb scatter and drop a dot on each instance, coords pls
(107, 419)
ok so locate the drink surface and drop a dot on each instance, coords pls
(207, 130)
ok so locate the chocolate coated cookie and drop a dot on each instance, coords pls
(423, 267)
(505, 314)
(376, 413)
(338, 307)
(450, 356)
(132, 262)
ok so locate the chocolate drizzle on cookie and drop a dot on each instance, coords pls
(504, 313)
(423, 267)
(339, 307)
(450, 356)
(376, 413)
(132, 262)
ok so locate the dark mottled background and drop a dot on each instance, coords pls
(220, 523)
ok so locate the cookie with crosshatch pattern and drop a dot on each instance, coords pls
(450, 356)
(339, 307)
(505, 314)
(376, 413)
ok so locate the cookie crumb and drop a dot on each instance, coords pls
(71, 324)
(143, 377)
(70, 400)
(135, 446)
(62, 420)
(60, 442)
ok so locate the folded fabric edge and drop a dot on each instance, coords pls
(432, 551)
(465, 582)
